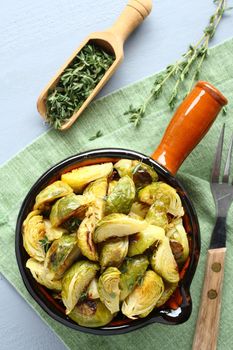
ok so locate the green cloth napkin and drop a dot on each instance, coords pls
(106, 114)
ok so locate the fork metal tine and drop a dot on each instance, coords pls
(217, 161)
(227, 168)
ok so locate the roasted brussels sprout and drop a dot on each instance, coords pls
(34, 234)
(87, 228)
(135, 216)
(163, 262)
(132, 270)
(61, 255)
(97, 188)
(145, 314)
(79, 178)
(95, 213)
(175, 231)
(139, 209)
(143, 175)
(177, 250)
(108, 287)
(66, 207)
(148, 194)
(144, 296)
(145, 239)
(124, 167)
(75, 281)
(117, 225)
(111, 186)
(175, 206)
(157, 214)
(169, 289)
(53, 233)
(121, 198)
(92, 290)
(41, 275)
(56, 190)
(160, 191)
(113, 252)
(91, 313)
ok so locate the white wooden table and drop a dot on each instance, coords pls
(36, 37)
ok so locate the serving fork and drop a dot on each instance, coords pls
(206, 333)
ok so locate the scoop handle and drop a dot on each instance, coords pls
(189, 125)
(132, 15)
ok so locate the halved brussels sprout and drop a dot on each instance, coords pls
(113, 252)
(92, 290)
(176, 231)
(56, 190)
(145, 314)
(145, 239)
(121, 198)
(132, 270)
(108, 287)
(163, 262)
(124, 167)
(135, 216)
(157, 214)
(53, 233)
(61, 255)
(161, 191)
(139, 209)
(117, 225)
(97, 188)
(177, 250)
(41, 275)
(144, 296)
(87, 227)
(148, 194)
(79, 178)
(91, 313)
(143, 175)
(75, 281)
(33, 235)
(111, 186)
(66, 207)
(168, 291)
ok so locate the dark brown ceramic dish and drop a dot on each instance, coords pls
(189, 124)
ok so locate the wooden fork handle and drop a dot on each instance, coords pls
(206, 333)
(130, 18)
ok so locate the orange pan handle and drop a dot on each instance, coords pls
(189, 125)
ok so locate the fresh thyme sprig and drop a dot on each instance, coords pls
(224, 110)
(72, 224)
(83, 297)
(96, 136)
(45, 243)
(188, 65)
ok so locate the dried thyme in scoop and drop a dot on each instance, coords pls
(76, 83)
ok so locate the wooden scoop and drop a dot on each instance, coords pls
(112, 40)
